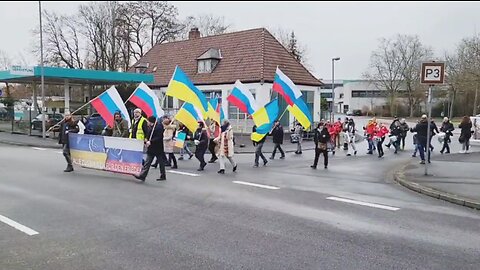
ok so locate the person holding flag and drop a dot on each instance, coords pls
(201, 141)
(154, 145)
(258, 149)
(277, 134)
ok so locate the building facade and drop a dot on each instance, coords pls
(214, 63)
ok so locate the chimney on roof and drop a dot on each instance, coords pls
(194, 33)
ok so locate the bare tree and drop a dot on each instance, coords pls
(289, 40)
(147, 23)
(412, 53)
(5, 60)
(463, 74)
(207, 24)
(61, 44)
(386, 70)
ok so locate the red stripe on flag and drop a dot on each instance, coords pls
(279, 89)
(140, 103)
(103, 111)
(237, 102)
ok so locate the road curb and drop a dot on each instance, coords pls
(399, 177)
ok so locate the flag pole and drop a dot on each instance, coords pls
(283, 113)
(153, 129)
(58, 124)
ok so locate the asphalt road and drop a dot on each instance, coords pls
(98, 220)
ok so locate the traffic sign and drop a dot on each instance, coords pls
(433, 73)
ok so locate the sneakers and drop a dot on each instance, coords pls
(191, 155)
(422, 162)
(180, 158)
(162, 178)
(235, 168)
(282, 157)
(272, 157)
(222, 171)
(69, 169)
(265, 162)
(325, 167)
(174, 167)
(255, 165)
(200, 169)
(349, 155)
(313, 167)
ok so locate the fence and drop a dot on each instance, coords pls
(26, 121)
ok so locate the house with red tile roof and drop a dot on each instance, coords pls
(214, 63)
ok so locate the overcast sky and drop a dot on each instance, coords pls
(349, 30)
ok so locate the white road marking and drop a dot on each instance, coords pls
(255, 185)
(17, 225)
(38, 148)
(183, 173)
(59, 152)
(381, 206)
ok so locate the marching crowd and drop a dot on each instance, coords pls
(159, 137)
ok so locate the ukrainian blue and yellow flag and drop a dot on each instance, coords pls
(181, 87)
(266, 114)
(189, 115)
(263, 119)
(300, 111)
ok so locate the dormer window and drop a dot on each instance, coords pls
(207, 66)
(141, 67)
(208, 61)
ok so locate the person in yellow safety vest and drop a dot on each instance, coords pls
(139, 126)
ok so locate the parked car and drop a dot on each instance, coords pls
(3, 113)
(50, 120)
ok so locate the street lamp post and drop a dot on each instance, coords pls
(41, 70)
(333, 89)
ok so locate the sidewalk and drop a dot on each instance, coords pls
(454, 178)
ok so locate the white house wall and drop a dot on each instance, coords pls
(262, 95)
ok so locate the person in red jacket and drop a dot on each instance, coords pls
(370, 132)
(332, 131)
(338, 129)
(380, 132)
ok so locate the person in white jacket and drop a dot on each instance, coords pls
(226, 146)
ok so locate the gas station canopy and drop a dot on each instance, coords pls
(58, 75)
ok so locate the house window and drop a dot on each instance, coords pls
(341, 95)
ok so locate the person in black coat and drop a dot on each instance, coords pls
(447, 128)
(68, 126)
(396, 130)
(200, 139)
(422, 129)
(258, 149)
(277, 134)
(154, 143)
(322, 136)
(465, 133)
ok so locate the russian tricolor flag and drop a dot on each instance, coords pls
(108, 103)
(144, 98)
(285, 87)
(242, 98)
